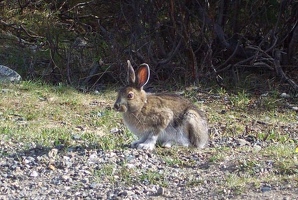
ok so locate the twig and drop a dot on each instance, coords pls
(28, 34)
(231, 56)
(281, 73)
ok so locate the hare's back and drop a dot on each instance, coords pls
(171, 101)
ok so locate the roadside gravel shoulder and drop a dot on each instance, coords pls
(77, 172)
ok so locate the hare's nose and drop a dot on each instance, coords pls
(116, 106)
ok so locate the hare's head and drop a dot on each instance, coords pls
(132, 97)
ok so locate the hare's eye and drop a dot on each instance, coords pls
(130, 95)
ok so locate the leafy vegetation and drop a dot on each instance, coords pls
(86, 43)
(49, 116)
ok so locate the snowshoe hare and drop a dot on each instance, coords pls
(164, 118)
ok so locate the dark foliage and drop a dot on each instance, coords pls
(88, 42)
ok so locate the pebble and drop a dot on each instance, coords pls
(242, 142)
(130, 166)
(265, 188)
(285, 95)
(115, 130)
(34, 174)
(257, 148)
(78, 173)
(160, 191)
(93, 158)
(295, 108)
(65, 177)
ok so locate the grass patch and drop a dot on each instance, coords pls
(153, 177)
(59, 115)
(240, 100)
(34, 113)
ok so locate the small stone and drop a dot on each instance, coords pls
(265, 189)
(242, 142)
(34, 174)
(94, 185)
(67, 188)
(285, 95)
(65, 177)
(223, 112)
(129, 193)
(6, 90)
(123, 193)
(112, 154)
(52, 167)
(295, 108)
(231, 116)
(52, 153)
(9, 75)
(93, 158)
(26, 161)
(100, 114)
(180, 92)
(76, 136)
(257, 148)
(160, 191)
(130, 166)
(115, 130)
(66, 158)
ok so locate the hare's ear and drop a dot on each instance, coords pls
(131, 76)
(143, 75)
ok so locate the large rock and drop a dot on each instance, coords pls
(9, 75)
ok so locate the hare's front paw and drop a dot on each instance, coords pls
(166, 144)
(147, 142)
(147, 146)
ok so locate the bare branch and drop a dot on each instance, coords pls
(281, 73)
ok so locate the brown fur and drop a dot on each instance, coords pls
(149, 115)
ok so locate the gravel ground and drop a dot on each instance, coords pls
(83, 172)
(77, 173)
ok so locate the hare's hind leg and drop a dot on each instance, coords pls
(196, 127)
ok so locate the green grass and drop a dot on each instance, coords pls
(106, 171)
(153, 177)
(240, 100)
(51, 116)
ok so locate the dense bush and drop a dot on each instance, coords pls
(88, 42)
